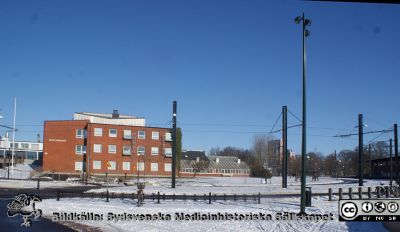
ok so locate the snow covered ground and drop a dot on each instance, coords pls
(240, 185)
(267, 206)
(215, 185)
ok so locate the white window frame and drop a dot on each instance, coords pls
(168, 136)
(140, 166)
(126, 166)
(78, 151)
(110, 151)
(96, 164)
(139, 152)
(169, 153)
(141, 136)
(80, 135)
(112, 135)
(127, 134)
(78, 165)
(167, 167)
(98, 132)
(81, 150)
(155, 135)
(126, 153)
(154, 151)
(98, 146)
(154, 167)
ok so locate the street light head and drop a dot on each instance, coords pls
(306, 33)
(298, 19)
(307, 22)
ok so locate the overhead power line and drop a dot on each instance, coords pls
(287, 127)
(369, 132)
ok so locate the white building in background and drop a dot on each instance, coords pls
(25, 152)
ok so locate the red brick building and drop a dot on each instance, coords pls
(99, 143)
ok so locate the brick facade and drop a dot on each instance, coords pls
(61, 154)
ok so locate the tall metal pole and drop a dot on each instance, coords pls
(360, 150)
(303, 134)
(391, 166)
(284, 147)
(13, 137)
(174, 135)
(396, 152)
(370, 162)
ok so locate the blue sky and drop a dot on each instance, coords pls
(231, 65)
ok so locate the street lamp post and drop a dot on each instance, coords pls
(306, 22)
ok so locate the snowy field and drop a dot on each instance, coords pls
(215, 185)
(267, 206)
(240, 185)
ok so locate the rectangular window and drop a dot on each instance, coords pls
(127, 134)
(126, 166)
(112, 149)
(168, 137)
(111, 165)
(126, 150)
(140, 166)
(155, 135)
(25, 145)
(141, 134)
(97, 148)
(78, 166)
(154, 150)
(140, 151)
(168, 152)
(13, 144)
(35, 146)
(167, 167)
(98, 131)
(96, 164)
(112, 133)
(154, 167)
(80, 149)
(80, 133)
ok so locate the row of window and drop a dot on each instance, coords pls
(127, 134)
(33, 146)
(126, 150)
(126, 166)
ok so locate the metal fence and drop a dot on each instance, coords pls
(208, 198)
(360, 193)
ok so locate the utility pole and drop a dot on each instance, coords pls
(391, 166)
(13, 137)
(284, 147)
(360, 150)
(174, 135)
(396, 152)
(370, 162)
(305, 33)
